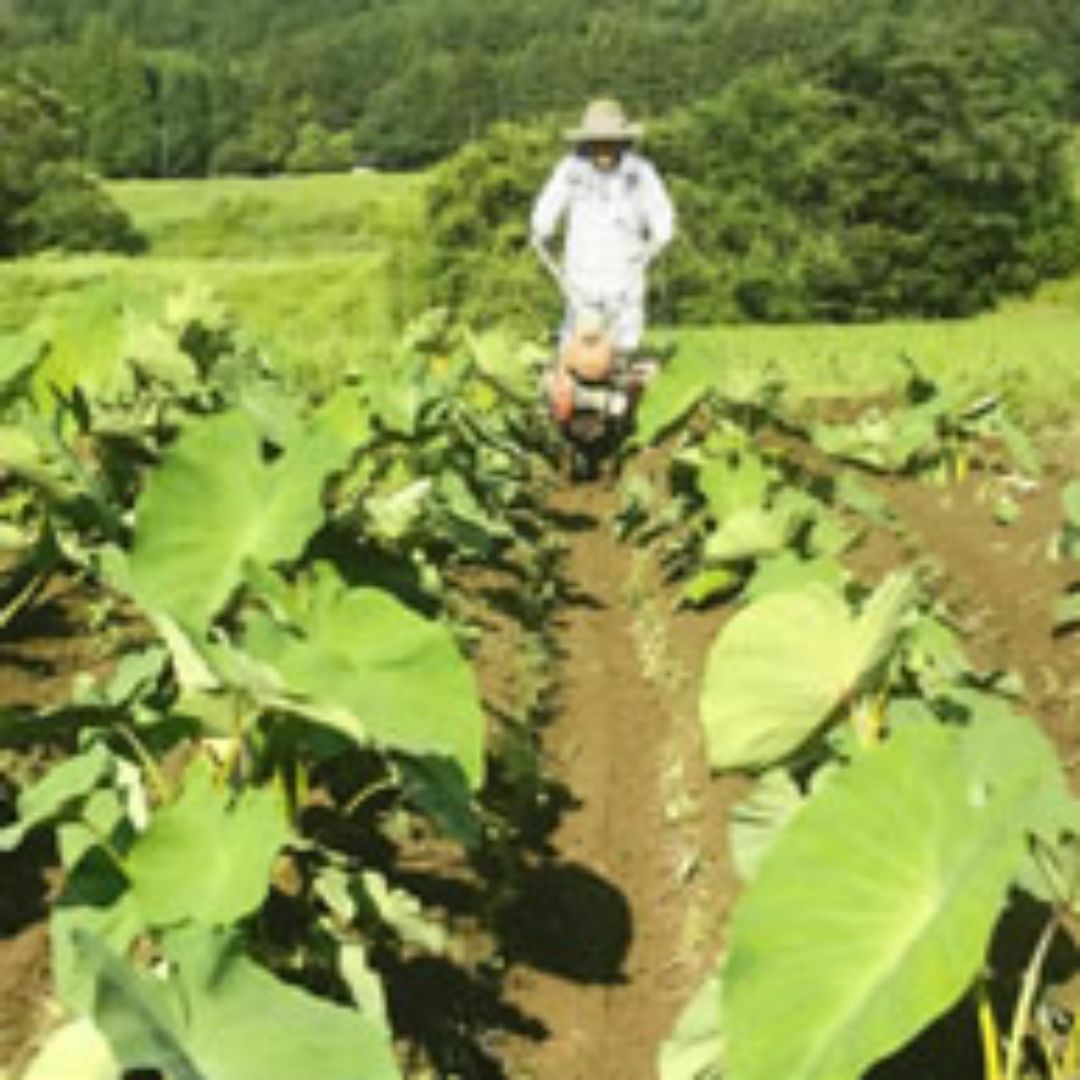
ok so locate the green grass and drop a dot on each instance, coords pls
(1028, 352)
(322, 271)
(284, 217)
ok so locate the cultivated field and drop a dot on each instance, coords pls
(326, 697)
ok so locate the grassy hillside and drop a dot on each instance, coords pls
(323, 271)
(294, 217)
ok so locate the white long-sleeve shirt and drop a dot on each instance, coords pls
(616, 221)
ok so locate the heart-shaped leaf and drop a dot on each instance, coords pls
(780, 668)
(361, 661)
(872, 913)
(214, 504)
(207, 856)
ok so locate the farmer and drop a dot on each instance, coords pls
(618, 219)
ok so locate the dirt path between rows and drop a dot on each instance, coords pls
(642, 884)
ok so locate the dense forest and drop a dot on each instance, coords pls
(195, 87)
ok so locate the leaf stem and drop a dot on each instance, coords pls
(868, 718)
(384, 783)
(990, 1035)
(1071, 1057)
(160, 782)
(106, 846)
(1028, 986)
(21, 599)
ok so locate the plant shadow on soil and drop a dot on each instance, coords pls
(24, 943)
(568, 921)
(36, 648)
(541, 911)
(444, 1008)
(544, 913)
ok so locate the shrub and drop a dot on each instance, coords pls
(319, 150)
(914, 173)
(47, 199)
(478, 210)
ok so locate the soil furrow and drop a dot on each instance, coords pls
(639, 852)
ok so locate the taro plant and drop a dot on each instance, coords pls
(795, 660)
(738, 515)
(299, 708)
(929, 430)
(275, 676)
(85, 413)
(873, 913)
(881, 852)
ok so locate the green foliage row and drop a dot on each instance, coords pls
(903, 812)
(289, 555)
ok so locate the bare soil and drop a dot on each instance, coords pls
(25, 976)
(999, 583)
(627, 917)
(1004, 586)
(626, 741)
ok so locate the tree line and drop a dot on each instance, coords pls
(197, 87)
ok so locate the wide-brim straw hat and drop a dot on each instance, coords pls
(604, 121)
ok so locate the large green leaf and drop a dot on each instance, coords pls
(732, 484)
(19, 356)
(750, 533)
(23, 455)
(18, 353)
(755, 822)
(86, 332)
(789, 572)
(221, 1017)
(511, 363)
(154, 349)
(872, 913)
(95, 898)
(676, 390)
(214, 504)
(396, 397)
(780, 668)
(208, 855)
(141, 1018)
(375, 669)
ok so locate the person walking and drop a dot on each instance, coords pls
(617, 215)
